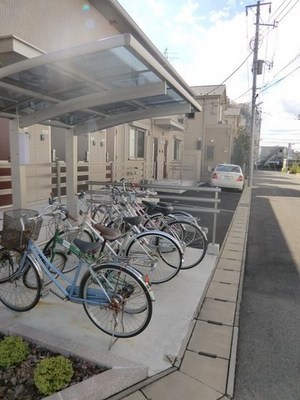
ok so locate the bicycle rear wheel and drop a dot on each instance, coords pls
(116, 300)
(155, 254)
(21, 292)
(193, 241)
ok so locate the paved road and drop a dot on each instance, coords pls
(229, 200)
(268, 362)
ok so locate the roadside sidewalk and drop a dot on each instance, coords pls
(205, 368)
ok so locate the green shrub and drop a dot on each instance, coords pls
(13, 351)
(53, 374)
(294, 169)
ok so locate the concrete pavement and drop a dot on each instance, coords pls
(187, 352)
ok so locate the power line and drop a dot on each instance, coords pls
(247, 91)
(225, 80)
(277, 73)
(288, 11)
(280, 80)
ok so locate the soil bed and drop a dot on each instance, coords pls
(17, 382)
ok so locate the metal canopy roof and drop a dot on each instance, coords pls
(91, 87)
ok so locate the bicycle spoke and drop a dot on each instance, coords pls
(124, 306)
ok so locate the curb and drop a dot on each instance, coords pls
(234, 345)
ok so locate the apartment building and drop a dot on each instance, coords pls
(209, 133)
(82, 84)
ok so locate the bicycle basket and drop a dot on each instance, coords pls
(18, 228)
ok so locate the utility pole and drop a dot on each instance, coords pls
(254, 71)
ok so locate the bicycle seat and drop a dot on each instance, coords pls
(133, 220)
(108, 233)
(87, 247)
(160, 207)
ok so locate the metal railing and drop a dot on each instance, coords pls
(98, 190)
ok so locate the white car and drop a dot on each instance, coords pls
(228, 176)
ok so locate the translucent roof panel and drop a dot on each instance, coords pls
(90, 87)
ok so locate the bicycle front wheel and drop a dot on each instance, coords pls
(155, 254)
(21, 292)
(116, 300)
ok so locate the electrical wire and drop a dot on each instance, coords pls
(283, 68)
(280, 80)
(288, 11)
(267, 85)
(225, 80)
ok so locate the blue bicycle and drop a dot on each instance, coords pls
(114, 295)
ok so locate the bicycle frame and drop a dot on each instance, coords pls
(70, 292)
(129, 238)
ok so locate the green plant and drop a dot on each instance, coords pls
(294, 169)
(53, 374)
(13, 350)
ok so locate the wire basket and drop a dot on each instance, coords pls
(18, 228)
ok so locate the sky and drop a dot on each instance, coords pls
(210, 42)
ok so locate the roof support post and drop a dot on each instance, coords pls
(71, 171)
(19, 153)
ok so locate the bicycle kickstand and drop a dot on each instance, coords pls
(113, 340)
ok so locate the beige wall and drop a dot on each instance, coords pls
(53, 24)
(210, 128)
(220, 137)
(37, 158)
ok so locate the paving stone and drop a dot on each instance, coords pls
(235, 265)
(222, 291)
(222, 275)
(232, 255)
(217, 311)
(211, 339)
(135, 396)
(238, 228)
(235, 240)
(234, 246)
(179, 386)
(210, 371)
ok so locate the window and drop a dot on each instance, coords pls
(137, 142)
(210, 152)
(176, 150)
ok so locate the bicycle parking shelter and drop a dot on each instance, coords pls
(85, 89)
